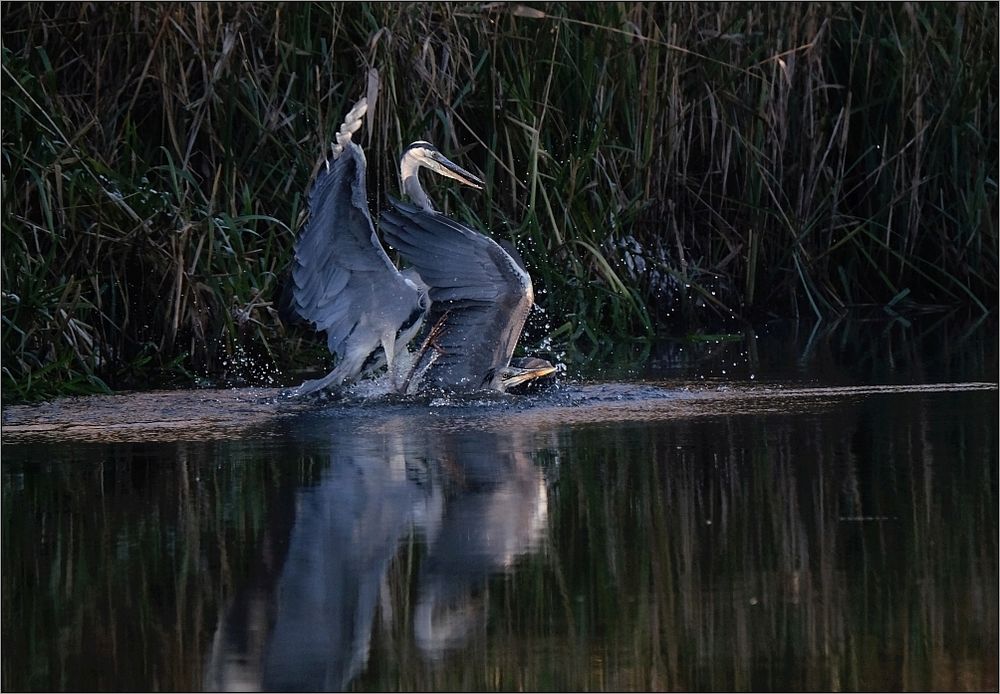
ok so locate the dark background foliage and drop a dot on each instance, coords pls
(662, 167)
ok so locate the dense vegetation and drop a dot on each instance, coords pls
(663, 167)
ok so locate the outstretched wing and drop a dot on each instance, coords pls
(478, 292)
(344, 283)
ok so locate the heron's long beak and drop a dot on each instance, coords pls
(439, 163)
(513, 376)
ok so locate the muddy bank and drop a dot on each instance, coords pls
(233, 413)
(154, 416)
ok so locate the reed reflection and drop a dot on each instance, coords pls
(474, 501)
(835, 543)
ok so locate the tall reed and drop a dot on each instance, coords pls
(662, 166)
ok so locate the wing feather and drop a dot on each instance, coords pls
(344, 283)
(479, 294)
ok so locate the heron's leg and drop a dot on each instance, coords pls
(392, 363)
(429, 341)
(388, 342)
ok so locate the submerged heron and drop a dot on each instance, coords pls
(463, 302)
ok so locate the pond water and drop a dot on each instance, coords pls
(830, 523)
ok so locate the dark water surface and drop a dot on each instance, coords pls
(613, 536)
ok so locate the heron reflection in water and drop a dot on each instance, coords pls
(320, 598)
(462, 303)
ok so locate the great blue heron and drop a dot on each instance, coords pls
(474, 293)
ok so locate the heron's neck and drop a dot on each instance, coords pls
(409, 168)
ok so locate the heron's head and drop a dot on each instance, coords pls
(527, 374)
(421, 153)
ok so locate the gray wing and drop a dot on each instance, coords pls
(478, 291)
(344, 283)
